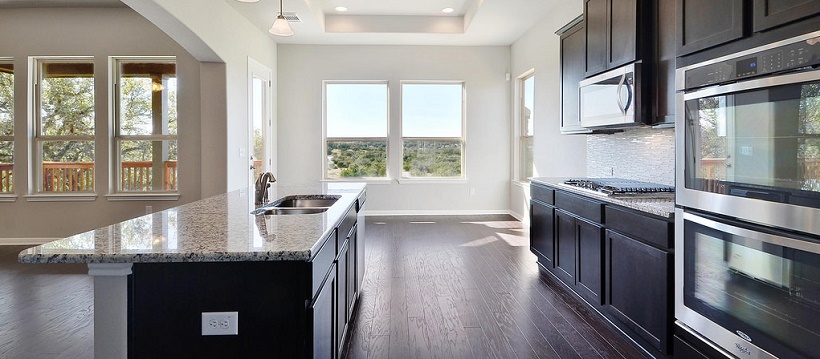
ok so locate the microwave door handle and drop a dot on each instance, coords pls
(628, 97)
(618, 94)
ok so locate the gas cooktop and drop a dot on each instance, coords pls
(620, 186)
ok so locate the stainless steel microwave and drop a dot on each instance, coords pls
(613, 99)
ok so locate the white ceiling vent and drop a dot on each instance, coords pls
(291, 16)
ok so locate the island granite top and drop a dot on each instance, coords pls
(214, 229)
(664, 207)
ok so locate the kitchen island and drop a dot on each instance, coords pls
(292, 279)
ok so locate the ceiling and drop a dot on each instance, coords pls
(378, 22)
(401, 22)
(59, 3)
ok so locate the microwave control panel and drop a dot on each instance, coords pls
(782, 58)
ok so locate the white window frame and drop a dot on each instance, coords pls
(518, 124)
(115, 172)
(462, 139)
(35, 192)
(10, 196)
(387, 177)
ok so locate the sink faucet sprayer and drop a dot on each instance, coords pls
(262, 186)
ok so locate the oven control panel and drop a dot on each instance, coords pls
(782, 58)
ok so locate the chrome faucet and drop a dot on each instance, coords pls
(262, 186)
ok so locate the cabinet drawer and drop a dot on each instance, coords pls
(543, 194)
(580, 206)
(651, 230)
(322, 262)
(347, 225)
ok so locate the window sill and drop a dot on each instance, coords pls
(63, 197)
(432, 180)
(8, 198)
(360, 180)
(521, 183)
(142, 197)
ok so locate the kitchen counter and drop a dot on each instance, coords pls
(215, 229)
(664, 207)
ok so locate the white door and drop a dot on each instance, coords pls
(262, 128)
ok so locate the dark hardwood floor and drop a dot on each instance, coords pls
(468, 287)
(436, 287)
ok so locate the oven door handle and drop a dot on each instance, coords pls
(792, 78)
(803, 245)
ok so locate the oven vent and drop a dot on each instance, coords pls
(291, 16)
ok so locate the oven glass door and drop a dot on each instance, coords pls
(763, 286)
(755, 142)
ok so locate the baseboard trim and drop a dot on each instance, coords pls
(435, 212)
(517, 215)
(25, 241)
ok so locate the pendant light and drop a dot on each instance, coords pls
(280, 26)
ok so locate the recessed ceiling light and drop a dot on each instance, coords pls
(447, 10)
(341, 9)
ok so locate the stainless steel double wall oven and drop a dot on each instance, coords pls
(747, 257)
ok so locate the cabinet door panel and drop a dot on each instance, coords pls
(623, 29)
(590, 266)
(352, 290)
(572, 72)
(706, 23)
(771, 13)
(324, 319)
(542, 234)
(565, 243)
(341, 298)
(639, 288)
(595, 17)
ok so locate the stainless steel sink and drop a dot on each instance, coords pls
(267, 211)
(297, 204)
(305, 201)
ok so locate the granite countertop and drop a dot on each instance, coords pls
(664, 207)
(215, 229)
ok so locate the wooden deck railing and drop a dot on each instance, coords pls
(6, 178)
(79, 176)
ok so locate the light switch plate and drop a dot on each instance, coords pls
(220, 323)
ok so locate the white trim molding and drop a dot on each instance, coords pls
(25, 241)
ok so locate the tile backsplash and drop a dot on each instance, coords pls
(642, 154)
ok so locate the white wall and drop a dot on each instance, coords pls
(554, 155)
(100, 33)
(303, 67)
(214, 32)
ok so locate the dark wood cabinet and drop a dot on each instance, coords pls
(622, 46)
(612, 33)
(706, 23)
(572, 72)
(639, 288)
(596, 21)
(565, 247)
(665, 62)
(617, 259)
(772, 13)
(589, 261)
(542, 233)
(322, 312)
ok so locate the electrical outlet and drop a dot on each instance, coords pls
(220, 323)
(472, 191)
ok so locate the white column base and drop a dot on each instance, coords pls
(110, 309)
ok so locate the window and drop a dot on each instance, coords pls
(6, 126)
(526, 114)
(64, 124)
(355, 130)
(432, 130)
(145, 124)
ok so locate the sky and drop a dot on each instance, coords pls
(361, 110)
